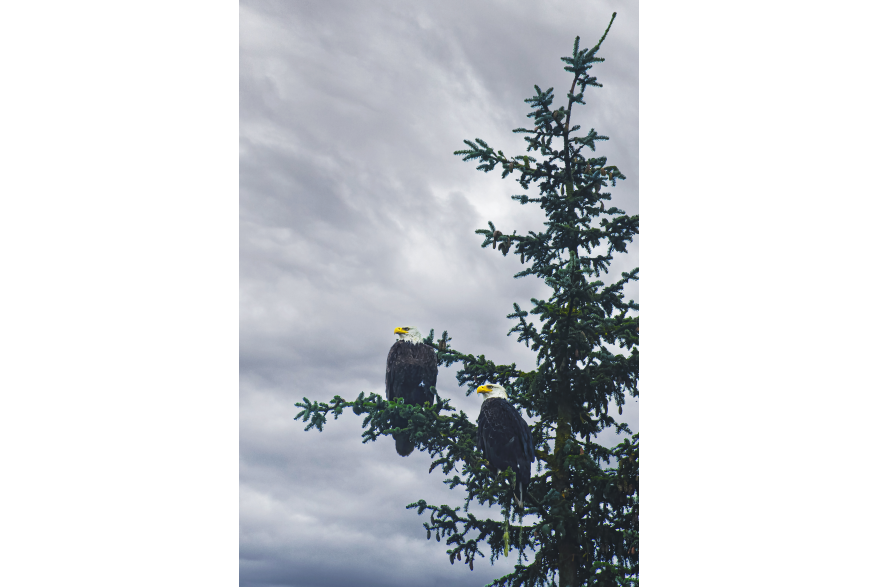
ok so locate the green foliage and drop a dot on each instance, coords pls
(584, 496)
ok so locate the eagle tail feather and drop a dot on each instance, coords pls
(404, 446)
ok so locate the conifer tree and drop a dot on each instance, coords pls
(579, 524)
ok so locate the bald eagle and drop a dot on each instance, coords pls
(411, 370)
(504, 438)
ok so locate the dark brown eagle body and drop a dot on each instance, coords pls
(412, 369)
(505, 440)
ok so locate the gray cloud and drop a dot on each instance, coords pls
(356, 218)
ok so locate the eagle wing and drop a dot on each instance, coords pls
(504, 437)
(411, 370)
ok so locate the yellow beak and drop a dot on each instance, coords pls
(399, 331)
(483, 389)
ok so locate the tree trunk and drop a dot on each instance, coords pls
(567, 544)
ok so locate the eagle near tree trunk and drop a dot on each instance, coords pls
(412, 369)
(504, 438)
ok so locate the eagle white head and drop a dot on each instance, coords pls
(490, 390)
(409, 333)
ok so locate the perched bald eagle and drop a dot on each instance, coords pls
(504, 438)
(411, 370)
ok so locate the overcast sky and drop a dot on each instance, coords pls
(356, 218)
